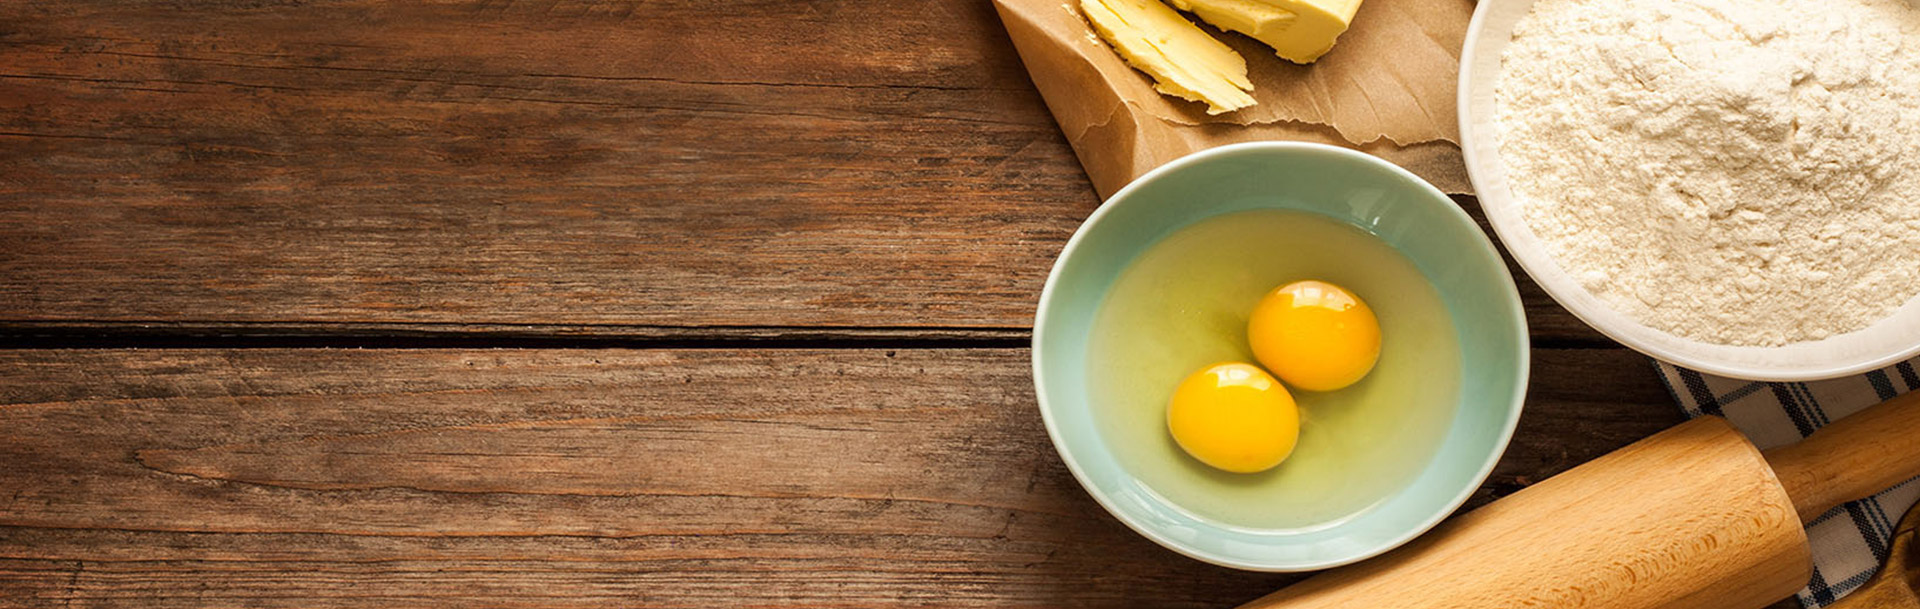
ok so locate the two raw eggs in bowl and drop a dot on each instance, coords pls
(1166, 280)
(1235, 416)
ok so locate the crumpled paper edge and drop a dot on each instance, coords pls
(1117, 140)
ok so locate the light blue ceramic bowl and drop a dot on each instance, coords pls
(1350, 186)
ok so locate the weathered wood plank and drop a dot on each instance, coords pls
(610, 168)
(846, 164)
(585, 478)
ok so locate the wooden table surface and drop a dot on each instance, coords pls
(569, 304)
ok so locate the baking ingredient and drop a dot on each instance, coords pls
(1739, 172)
(1183, 60)
(1314, 335)
(1183, 303)
(1298, 30)
(1234, 416)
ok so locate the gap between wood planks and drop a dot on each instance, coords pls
(174, 335)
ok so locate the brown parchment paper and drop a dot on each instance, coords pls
(1387, 89)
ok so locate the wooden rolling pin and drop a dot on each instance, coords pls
(1694, 517)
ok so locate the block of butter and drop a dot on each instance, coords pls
(1183, 60)
(1298, 30)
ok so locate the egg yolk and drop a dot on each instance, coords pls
(1314, 335)
(1235, 417)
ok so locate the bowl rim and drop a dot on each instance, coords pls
(1516, 401)
(1540, 266)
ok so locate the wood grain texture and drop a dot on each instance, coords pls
(1630, 530)
(587, 478)
(771, 163)
(722, 176)
(605, 168)
(1854, 458)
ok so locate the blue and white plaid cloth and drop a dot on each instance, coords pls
(1850, 541)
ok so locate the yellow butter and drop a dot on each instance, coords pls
(1298, 30)
(1183, 60)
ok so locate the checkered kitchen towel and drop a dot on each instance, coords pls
(1850, 541)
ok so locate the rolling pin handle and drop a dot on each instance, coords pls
(1853, 458)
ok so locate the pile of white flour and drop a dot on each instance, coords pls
(1742, 172)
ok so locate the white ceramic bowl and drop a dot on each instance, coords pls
(1890, 340)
